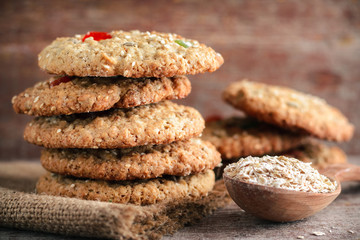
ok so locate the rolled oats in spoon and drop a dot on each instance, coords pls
(280, 172)
(283, 189)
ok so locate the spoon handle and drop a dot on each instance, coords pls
(343, 172)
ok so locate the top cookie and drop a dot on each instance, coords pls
(90, 94)
(290, 109)
(131, 54)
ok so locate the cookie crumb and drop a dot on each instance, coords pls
(13, 99)
(318, 233)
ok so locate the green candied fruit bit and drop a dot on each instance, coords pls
(182, 43)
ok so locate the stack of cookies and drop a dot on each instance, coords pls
(278, 121)
(108, 129)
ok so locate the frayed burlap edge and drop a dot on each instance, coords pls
(75, 217)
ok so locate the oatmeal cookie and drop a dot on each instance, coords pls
(130, 54)
(243, 136)
(80, 95)
(140, 192)
(319, 154)
(180, 158)
(290, 109)
(159, 123)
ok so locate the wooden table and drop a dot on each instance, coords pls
(341, 220)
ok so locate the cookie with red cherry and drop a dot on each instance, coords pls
(69, 95)
(130, 54)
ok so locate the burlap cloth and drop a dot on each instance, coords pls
(21, 208)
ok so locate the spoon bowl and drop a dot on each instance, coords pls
(282, 205)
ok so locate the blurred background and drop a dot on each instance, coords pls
(312, 46)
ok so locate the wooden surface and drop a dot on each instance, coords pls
(336, 221)
(312, 46)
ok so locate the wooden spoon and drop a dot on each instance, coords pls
(282, 205)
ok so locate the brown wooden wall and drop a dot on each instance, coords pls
(313, 46)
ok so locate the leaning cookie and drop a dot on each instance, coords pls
(180, 158)
(160, 123)
(242, 136)
(130, 54)
(65, 95)
(290, 109)
(140, 192)
(319, 154)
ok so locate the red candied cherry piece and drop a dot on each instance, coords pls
(213, 118)
(60, 80)
(97, 36)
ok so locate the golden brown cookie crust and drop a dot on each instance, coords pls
(180, 158)
(242, 136)
(87, 94)
(288, 108)
(160, 123)
(319, 154)
(141, 192)
(130, 54)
